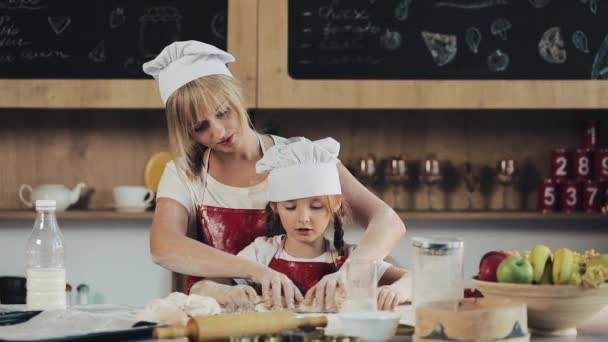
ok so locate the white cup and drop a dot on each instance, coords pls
(131, 196)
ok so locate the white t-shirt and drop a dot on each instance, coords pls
(263, 249)
(188, 192)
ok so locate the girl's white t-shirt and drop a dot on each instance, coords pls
(263, 249)
(187, 192)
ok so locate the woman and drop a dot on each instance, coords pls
(212, 184)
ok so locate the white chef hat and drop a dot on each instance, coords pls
(182, 62)
(301, 168)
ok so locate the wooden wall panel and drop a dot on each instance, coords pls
(481, 137)
(102, 148)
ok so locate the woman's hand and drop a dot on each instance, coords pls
(389, 297)
(231, 298)
(323, 294)
(274, 283)
(238, 298)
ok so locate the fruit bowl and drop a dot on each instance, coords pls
(554, 310)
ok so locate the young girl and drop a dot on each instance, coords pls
(305, 197)
(210, 201)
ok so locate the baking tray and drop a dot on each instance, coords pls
(139, 330)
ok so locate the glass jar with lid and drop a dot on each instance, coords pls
(438, 269)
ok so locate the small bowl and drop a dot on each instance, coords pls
(554, 310)
(370, 325)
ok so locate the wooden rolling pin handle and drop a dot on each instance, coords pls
(312, 322)
(171, 332)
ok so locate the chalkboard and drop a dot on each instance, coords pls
(448, 39)
(99, 38)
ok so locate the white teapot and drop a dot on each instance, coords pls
(58, 192)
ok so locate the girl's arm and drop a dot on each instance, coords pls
(383, 227)
(172, 249)
(395, 287)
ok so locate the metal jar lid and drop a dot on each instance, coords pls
(437, 242)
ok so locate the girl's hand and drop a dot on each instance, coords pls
(389, 297)
(323, 294)
(273, 283)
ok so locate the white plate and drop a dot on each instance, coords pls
(137, 208)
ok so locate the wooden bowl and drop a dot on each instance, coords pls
(472, 319)
(554, 310)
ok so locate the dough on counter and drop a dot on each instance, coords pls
(177, 307)
(197, 305)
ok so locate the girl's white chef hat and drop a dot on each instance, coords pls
(301, 168)
(182, 62)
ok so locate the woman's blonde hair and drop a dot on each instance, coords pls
(334, 206)
(205, 94)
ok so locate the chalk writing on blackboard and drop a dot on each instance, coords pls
(599, 70)
(470, 4)
(500, 27)
(539, 3)
(218, 25)
(158, 25)
(390, 40)
(473, 39)
(444, 39)
(98, 54)
(402, 10)
(551, 46)
(99, 38)
(59, 24)
(443, 47)
(579, 40)
(117, 17)
(498, 61)
(22, 4)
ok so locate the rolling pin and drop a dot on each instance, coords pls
(208, 328)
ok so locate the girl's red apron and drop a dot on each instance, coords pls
(229, 230)
(304, 274)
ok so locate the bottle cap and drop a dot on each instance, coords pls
(437, 243)
(46, 204)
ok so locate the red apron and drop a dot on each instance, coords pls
(304, 274)
(229, 230)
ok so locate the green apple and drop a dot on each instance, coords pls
(515, 269)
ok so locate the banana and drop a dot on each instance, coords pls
(594, 277)
(547, 278)
(599, 260)
(563, 266)
(575, 278)
(539, 256)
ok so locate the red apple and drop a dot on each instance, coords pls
(489, 263)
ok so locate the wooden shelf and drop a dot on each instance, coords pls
(497, 215)
(406, 215)
(79, 215)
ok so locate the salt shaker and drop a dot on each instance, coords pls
(438, 269)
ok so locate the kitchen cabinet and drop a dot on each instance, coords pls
(140, 93)
(276, 89)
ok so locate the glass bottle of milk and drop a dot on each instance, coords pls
(45, 270)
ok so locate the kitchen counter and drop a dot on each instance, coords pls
(594, 330)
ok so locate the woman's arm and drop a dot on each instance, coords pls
(172, 249)
(383, 227)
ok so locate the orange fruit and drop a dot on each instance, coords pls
(154, 169)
